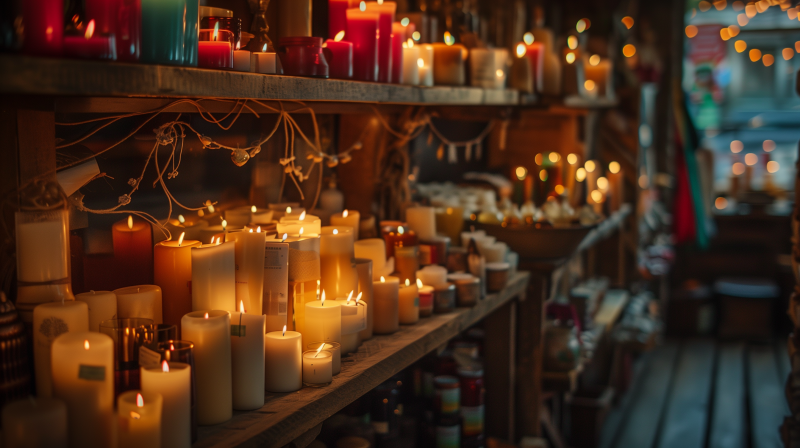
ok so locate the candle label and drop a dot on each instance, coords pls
(92, 373)
(238, 330)
(53, 327)
(149, 358)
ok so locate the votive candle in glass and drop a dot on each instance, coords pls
(317, 368)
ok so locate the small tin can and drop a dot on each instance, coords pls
(468, 288)
(496, 276)
(444, 298)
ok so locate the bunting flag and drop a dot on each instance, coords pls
(468, 152)
(452, 154)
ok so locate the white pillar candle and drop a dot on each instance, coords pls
(488, 67)
(410, 65)
(247, 356)
(263, 62)
(241, 60)
(139, 419)
(139, 301)
(336, 353)
(433, 275)
(408, 303)
(426, 69)
(260, 215)
(102, 305)
(303, 277)
(83, 377)
(174, 382)
(348, 218)
(50, 320)
(364, 271)
(309, 225)
(337, 273)
(211, 334)
(423, 221)
(284, 366)
(317, 368)
(249, 275)
(214, 277)
(495, 252)
(375, 250)
(323, 321)
(385, 305)
(238, 216)
(35, 423)
(354, 320)
(466, 237)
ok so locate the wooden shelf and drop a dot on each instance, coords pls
(24, 75)
(285, 417)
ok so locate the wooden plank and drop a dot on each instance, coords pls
(728, 414)
(530, 318)
(500, 370)
(36, 140)
(286, 417)
(767, 401)
(615, 419)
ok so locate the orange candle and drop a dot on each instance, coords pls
(448, 63)
(133, 251)
(173, 274)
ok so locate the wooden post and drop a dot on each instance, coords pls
(500, 371)
(530, 340)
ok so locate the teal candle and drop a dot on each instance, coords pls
(192, 29)
(163, 35)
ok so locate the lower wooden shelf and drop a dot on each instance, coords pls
(285, 417)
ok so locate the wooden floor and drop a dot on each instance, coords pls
(703, 394)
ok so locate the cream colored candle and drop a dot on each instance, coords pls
(347, 218)
(410, 64)
(214, 277)
(364, 271)
(247, 355)
(304, 276)
(488, 67)
(284, 365)
(432, 275)
(323, 321)
(83, 377)
(495, 252)
(375, 250)
(49, 321)
(211, 334)
(597, 71)
(317, 368)
(293, 212)
(172, 272)
(239, 216)
(139, 419)
(408, 303)
(385, 298)
(448, 64)
(466, 237)
(354, 320)
(139, 301)
(336, 353)
(423, 221)
(260, 215)
(426, 69)
(173, 381)
(249, 275)
(338, 275)
(275, 297)
(102, 305)
(35, 423)
(303, 225)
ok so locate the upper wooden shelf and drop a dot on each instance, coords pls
(23, 75)
(286, 417)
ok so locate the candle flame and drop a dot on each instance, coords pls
(344, 213)
(238, 45)
(135, 415)
(410, 43)
(86, 344)
(89, 29)
(139, 401)
(400, 230)
(241, 306)
(362, 6)
(380, 2)
(219, 240)
(224, 224)
(301, 230)
(251, 230)
(448, 38)
(358, 298)
(253, 209)
(288, 209)
(323, 297)
(258, 230)
(319, 349)
(172, 347)
(303, 216)
(383, 279)
(130, 222)
(590, 166)
(335, 231)
(528, 38)
(349, 297)
(408, 283)
(206, 315)
(419, 283)
(181, 219)
(285, 235)
(180, 238)
(521, 50)
(264, 48)
(284, 330)
(212, 239)
(165, 366)
(339, 36)
(420, 63)
(216, 30)
(572, 159)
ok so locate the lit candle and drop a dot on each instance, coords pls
(215, 48)
(408, 303)
(347, 218)
(133, 250)
(121, 19)
(535, 52)
(260, 215)
(303, 225)
(338, 274)
(284, 365)
(83, 377)
(317, 367)
(488, 67)
(374, 249)
(249, 274)
(210, 331)
(336, 354)
(354, 320)
(139, 301)
(522, 76)
(598, 71)
(139, 417)
(423, 221)
(173, 381)
(386, 11)
(263, 62)
(448, 62)
(341, 61)
(323, 321)
(49, 321)
(172, 272)
(364, 271)
(432, 275)
(24, 420)
(398, 39)
(247, 355)
(425, 299)
(241, 63)
(399, 236)
(90, 46)
(426, 68)
(44, 27)
(406, 262)
(214, 277)
(303, 277)
(337, 16)
(410, 73)
(385, 298)
(102, 305)
(362, 31)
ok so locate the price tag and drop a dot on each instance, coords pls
(149, 358)
(92, 373)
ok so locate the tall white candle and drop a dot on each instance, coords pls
(408, 303)
(247, 355)
(364, 271)
(214, 277)
(323, 321)
(423, 221)
(249, 257)
(174, 382)
(410, 66)
(303, 276)
(139, 418)
(51, 320)
(102, 305)
(347, 218)
(375, 250)
(284, 364)
(83, 377)
(338, 275)
(317, 367)
(385, 304)
(139, 301)
(210, 331)
(35, 423)
(426, 69)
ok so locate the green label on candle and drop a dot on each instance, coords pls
(238, 330)
(92, 373)
(416, 301)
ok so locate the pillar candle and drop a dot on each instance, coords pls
(139, 419)
(173, 381)
(425, 299)
(426, 69)
(398, 39)
(535, 52)
(599, 73)
(399, 236)
(139, 301)
(211, 334)
(133, 250)
(337, 273)
(214, 277)
(263, 62)
(284, 364)
(317, 368)
(43, 27)
(432, 275)
(91, 46)
(294, 17)
(241, 63)
(83, 377)
(340, 64)
(260, 215)
(373, 249)
(310, 224)
(49, 321)
(102, 305)
(408, 303)
(172, 272)
(303, 277)
(362, 31)
(354, 321)
(385, 298)
(249, 274)
(347, 218)
(364, 271)
(410, 73)
(35, 423)
(448, 64)
(423, 221)
(336, 354)
(337, 16)
(450, 222)
(215, 49)
(615, 187)
(323, 321)
(386, 11)
(406, 262)
(247, 355)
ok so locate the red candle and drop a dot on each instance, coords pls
(89, 46)
(133, 250)
(123, 19)
(337, 16)
(535, 55)
(215, 48)
(385, 12)
(398, 37)
(362, 31)
(341, 60)
(43, 25)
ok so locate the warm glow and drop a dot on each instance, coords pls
(528, 38)
(737, 146)
(521, 50)
(704, 6)
(521, 172)
(580, 174)
(755, 54)
(130, 222)
(419, 283)
(597, 196)
(742, 20)
(773, 167)
(181, 219)
(738, 168)
(750, 159)
(572, 42)
(383, 279)
(797, 46)
(410, 43)
(264, 48)
(212, 240)
(408, 283)
(750, 11)
(740, 46)
(629, 50)
(405, 21)
(590, 166)
(614, 167)
(538, 158)
(791, 13)
(216, 31)
(691, 31)
(787, 53)
(322, 299)
(559, 189)
(224, 224)
(180, 238)
(206, 316)
(135, 415)
(89, 30)
(499, 73)
(594, 60)
(602, 183)
(349, 297)
(86, 344)
(319, 349)
(362, 6)
(581, 26)
(554, 157)
(344, 213)
(721, 203)
(448, 38)
(258, 229)
(543, 175)
(241, 306)
(303, 216)
(733, 30)
(720, 4)
(285, 235)
(303, 228)
(401, 230)
(724, 34)
(420, 63)
(570, 57)
(768, 145)
(416, 35)
(139, 400)
(284, 331)
(588, 85)
(572, 159)
(289, 209)
(165, 366)
(628, 22)
(768, 60)
(339, 36)
(335, 231)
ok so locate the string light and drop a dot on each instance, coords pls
(768, 60)
(629, 50)
(691, 31)
(740, 46)
(742, 20)
(755, 54)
